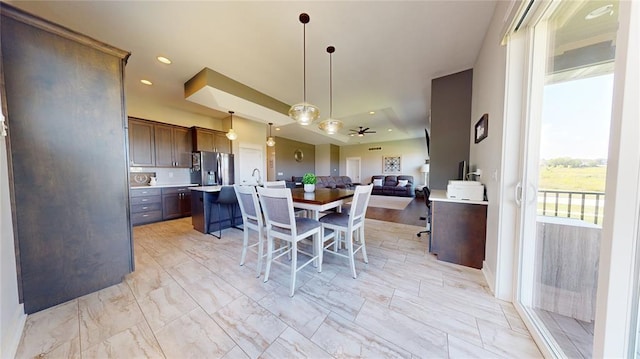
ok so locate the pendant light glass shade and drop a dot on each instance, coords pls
(232, 135)
(304, 113)
(330, 126)
(270, 141)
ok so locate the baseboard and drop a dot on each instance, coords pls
(12, 333)
(489, 277)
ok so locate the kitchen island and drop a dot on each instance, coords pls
(205, 216)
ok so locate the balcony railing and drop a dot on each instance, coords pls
(586, 206)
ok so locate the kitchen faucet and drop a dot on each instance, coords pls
(254, 173)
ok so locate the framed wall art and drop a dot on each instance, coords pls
(391, 164)
(482, 128)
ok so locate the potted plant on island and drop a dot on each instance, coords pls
(309, 182)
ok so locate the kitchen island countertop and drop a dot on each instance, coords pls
(206, 188)
(164, 186)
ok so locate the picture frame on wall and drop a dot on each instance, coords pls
(391, 164)
(482, 128)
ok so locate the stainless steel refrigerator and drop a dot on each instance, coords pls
(212, 168)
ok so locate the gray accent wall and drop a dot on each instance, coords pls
(286, 165)
(450, 118)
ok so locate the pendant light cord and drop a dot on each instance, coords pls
(330, 84)
(304, 62)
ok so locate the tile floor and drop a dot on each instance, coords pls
(189, 298)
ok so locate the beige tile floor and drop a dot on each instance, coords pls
(189, 298)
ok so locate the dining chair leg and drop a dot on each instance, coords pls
(349, 240)
(245, 244)
(260, 251)
(364, 247)
(319, 249)
(269, 258)
(294, 266)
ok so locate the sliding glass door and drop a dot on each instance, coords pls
(565, 165)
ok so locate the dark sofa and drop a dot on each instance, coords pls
(329, 181)
(390, 186)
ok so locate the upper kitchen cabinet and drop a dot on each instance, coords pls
(65, 109)
(141, 143)
(210, 140)
(172, 146)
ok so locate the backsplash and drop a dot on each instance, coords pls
(164, 175)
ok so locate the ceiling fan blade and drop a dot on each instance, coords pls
(370, 132)
(365, 130)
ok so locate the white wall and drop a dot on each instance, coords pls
(141, 108)
(12, 315)
(413, 152)
(488, 97)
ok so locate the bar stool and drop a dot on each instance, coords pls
(226, 197)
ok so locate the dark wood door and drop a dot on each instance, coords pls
(141, 143)
(171, 206)
(182, 147)
(164, 146)
(65, 108)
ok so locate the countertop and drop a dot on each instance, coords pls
(206, 188)
(164, 186)
(440, 195)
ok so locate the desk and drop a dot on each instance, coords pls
(458, 229)
(321, 200)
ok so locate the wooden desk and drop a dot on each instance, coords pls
(321, 200)
(458, 229)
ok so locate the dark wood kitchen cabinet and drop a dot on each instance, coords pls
(142, 151)
(64, 103)
(172, 146)
(205, 139)
(146, 205)
(176, 202)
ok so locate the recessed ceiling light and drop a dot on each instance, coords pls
(372, 112)
(277, 128)
(164, 60)
(603, 10)
(146, 82)
(390, 130)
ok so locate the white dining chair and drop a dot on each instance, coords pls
(283, 184)
(345, 225)
(252, 219)
(274, 184)
(281, 223)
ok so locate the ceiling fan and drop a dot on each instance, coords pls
(360, 131)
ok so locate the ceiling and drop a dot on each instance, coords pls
(387, 53)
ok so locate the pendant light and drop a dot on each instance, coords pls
(330, 125)
(270, 141)
(232, 135)
(304, 113)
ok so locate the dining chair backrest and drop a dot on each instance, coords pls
(249, 204)
(277, 206)
(275, 184)
(359, 205)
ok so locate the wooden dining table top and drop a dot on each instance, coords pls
(321, 195)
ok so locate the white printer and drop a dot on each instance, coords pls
(465, 190)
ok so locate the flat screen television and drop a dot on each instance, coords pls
(463, 169)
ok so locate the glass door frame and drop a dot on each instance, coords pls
(616, 322)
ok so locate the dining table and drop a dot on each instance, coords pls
(322, 199)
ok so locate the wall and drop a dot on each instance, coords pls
(141, 108)
(489, 78)
(286, 165)
(413, 152)
(323, 160)
(450, 115)
(12, 317)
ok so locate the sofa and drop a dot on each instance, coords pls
(393, 185)
(329, 181)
